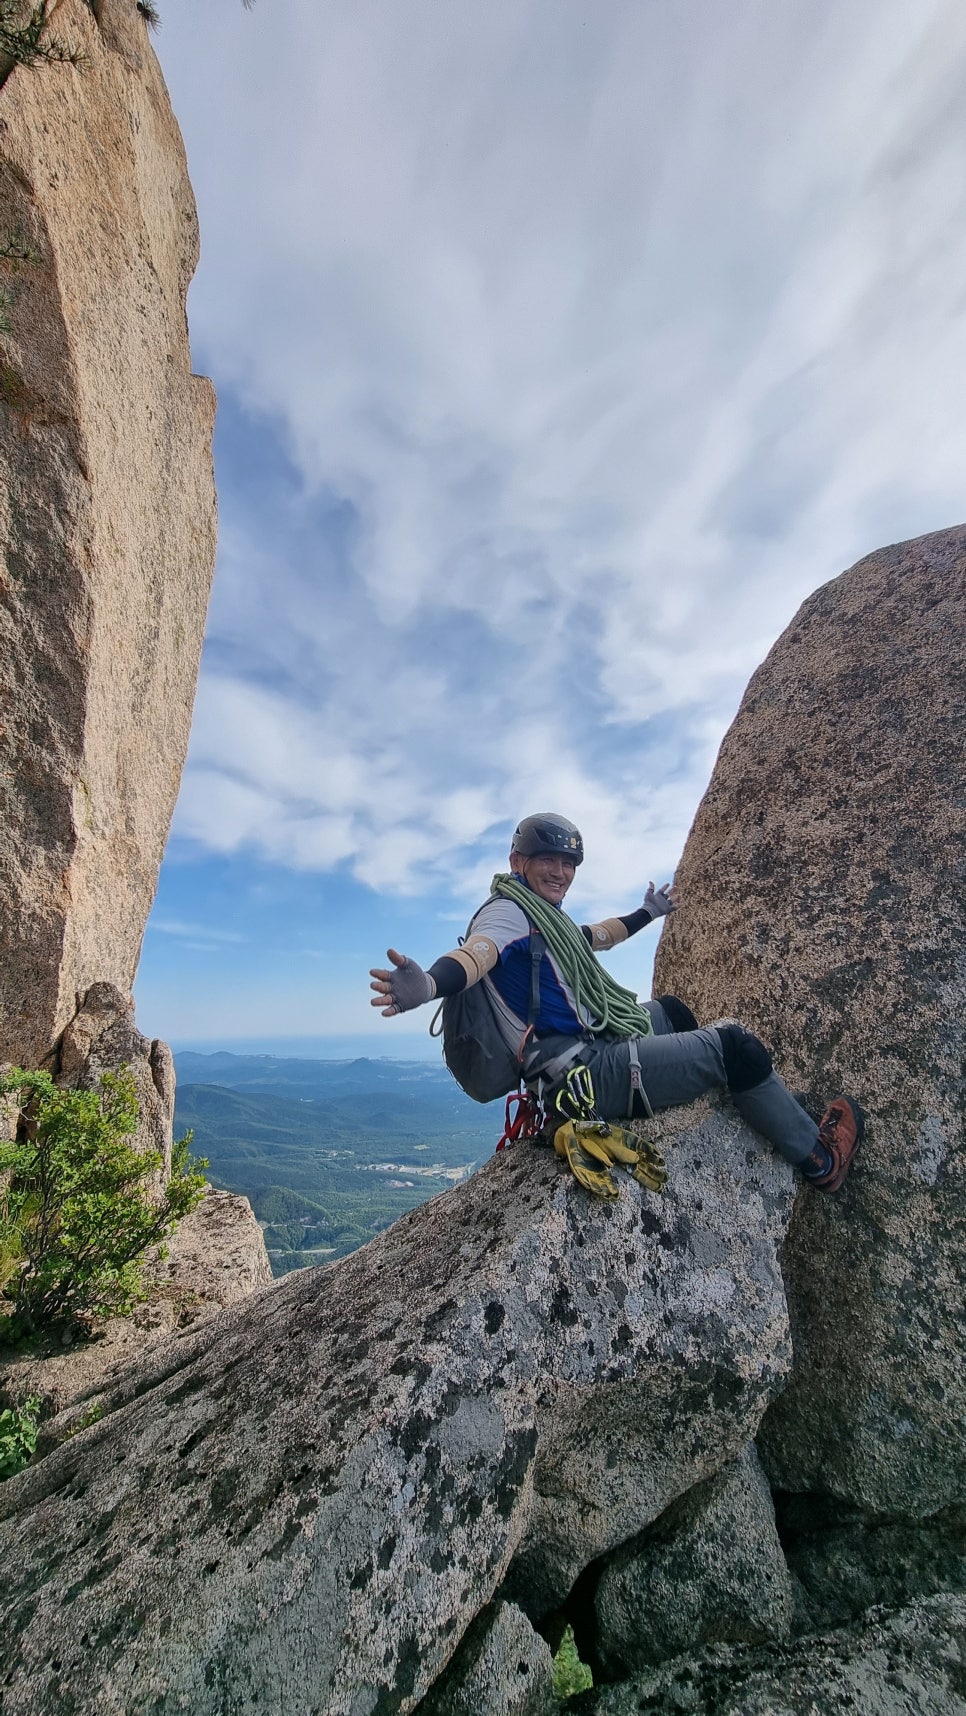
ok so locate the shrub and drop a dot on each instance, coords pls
(18, 1436)
(570, 1675)
(76, 1210)
(24, 38)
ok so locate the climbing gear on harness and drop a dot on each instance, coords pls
(611, 1007)
(575, 1100)
(637, 1083)
(547, 832)
(527, 1122)
(474, 1045)
(544, 1061)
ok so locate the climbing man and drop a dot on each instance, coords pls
(559, 1011)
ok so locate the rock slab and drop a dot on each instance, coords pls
(503, 1668)
(305, 1504)
(710, 1571)
(825, 881)
(906, 1664)
(107, 521)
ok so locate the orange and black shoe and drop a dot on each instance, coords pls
(840, 1132)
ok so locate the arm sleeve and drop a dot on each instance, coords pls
(612, 931)
(465, 965)
(635, 921)
(448, 975)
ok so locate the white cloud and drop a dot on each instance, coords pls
(597, 337)
(192, 932)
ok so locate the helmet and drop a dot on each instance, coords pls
(546, 832)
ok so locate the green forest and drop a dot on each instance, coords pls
(329, 1152)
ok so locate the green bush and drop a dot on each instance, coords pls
(570, 1675)
(18, 1436)
(76, 1217)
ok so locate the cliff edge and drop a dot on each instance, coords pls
(107, 521)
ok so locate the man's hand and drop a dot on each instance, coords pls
(401, 990)
(658, 901)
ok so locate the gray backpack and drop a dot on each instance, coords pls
(474, 1047)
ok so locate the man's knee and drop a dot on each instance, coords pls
(679, 1014)
(747, 1061)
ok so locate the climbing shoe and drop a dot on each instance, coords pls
(841, 1130)
(589, 1166)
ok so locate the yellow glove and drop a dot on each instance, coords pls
(651, 1169)
(608, 1145)
(584, 1162)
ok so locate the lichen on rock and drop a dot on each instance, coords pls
(344, 1468)
(908, 1663)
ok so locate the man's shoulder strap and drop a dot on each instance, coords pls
(538, 948)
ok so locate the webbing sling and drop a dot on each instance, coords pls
(637, 1082)
(538, 948)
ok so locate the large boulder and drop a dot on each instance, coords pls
(102, 1038)
(710, 1570)
(825, 889)
(844, 1562)
(904, 1664)
(306, 1503)
(502, 1667)
(107, 538)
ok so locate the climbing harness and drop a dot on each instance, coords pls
(590, 1146)
(637, 1083)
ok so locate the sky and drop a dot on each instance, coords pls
(562, 350)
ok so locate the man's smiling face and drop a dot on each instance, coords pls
(549, 874)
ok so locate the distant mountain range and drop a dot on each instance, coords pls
(329, 1152)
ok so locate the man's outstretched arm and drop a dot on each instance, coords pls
(407, 985)
(657, 903)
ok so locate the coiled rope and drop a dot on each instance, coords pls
(611, 1007)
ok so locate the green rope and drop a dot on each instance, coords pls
(611, 1007)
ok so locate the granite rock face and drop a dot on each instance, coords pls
(307, 1502)
(904, 1664)
(502, 1667)
(102, 1038)
(825, 880)
(845, 1563)
(710, 1571)
(107, 528)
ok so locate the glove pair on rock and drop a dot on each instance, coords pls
(591, 1149)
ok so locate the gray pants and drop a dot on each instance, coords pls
(676, 1067)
